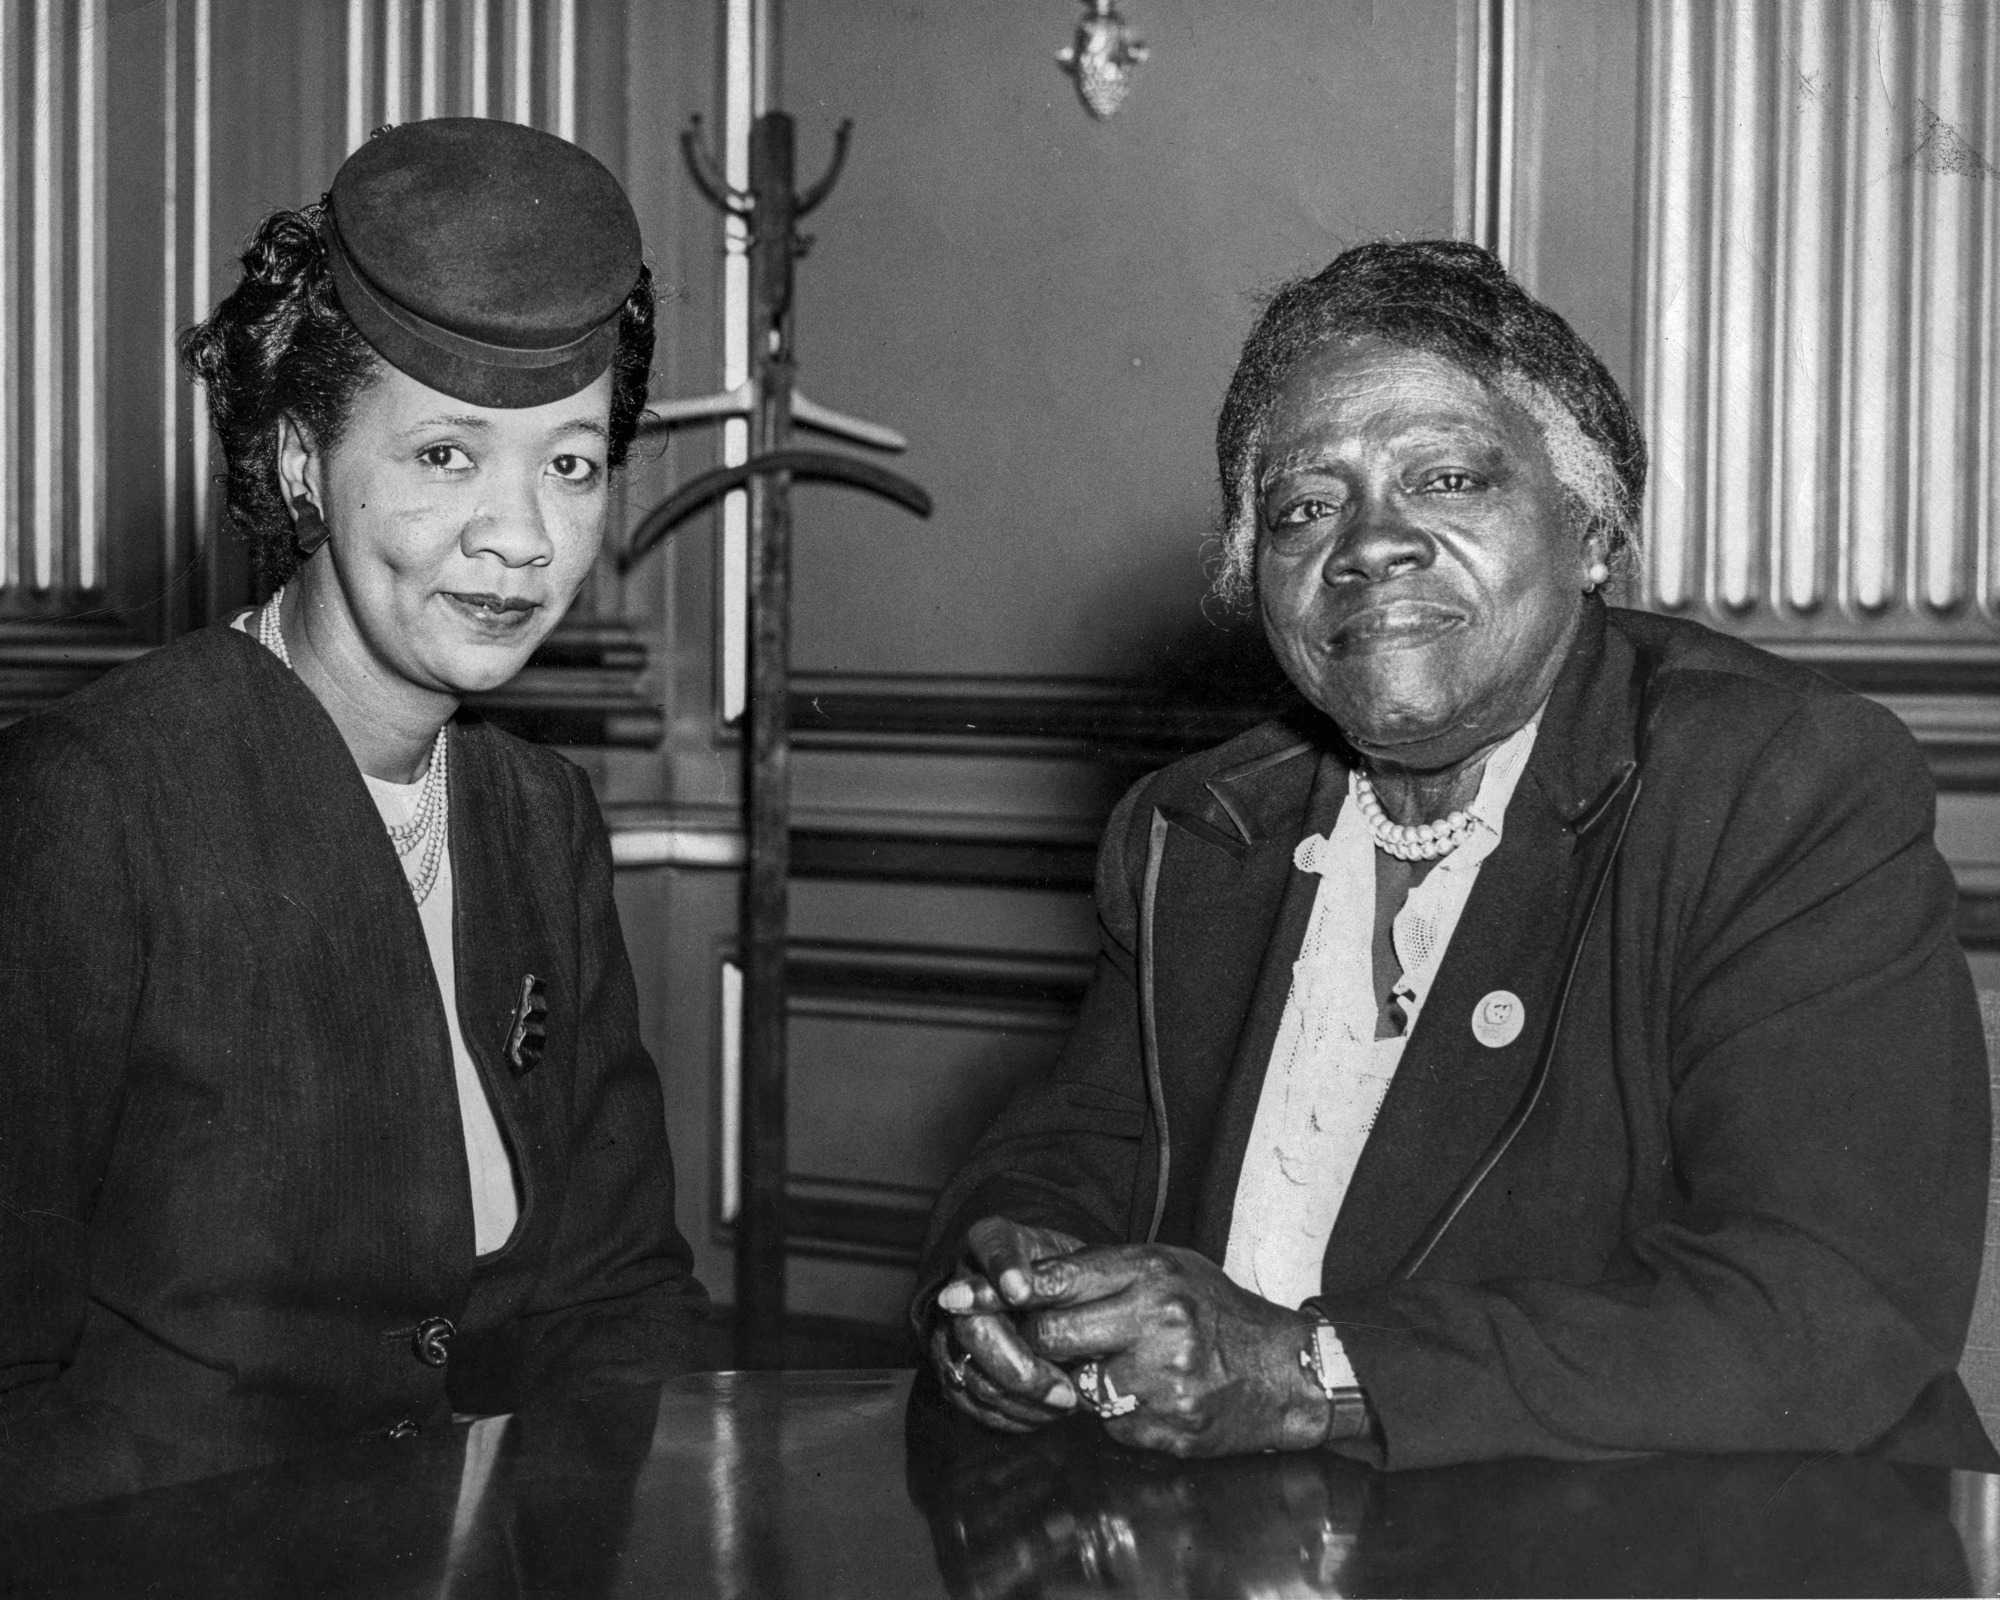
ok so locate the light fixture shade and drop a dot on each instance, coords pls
(1102, 58)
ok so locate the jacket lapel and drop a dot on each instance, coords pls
(499, 949)
(296, 843)
(1286, 909)
(1453, 1093)
(1222, 872)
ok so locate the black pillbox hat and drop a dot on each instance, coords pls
(483, 258)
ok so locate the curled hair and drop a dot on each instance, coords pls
(1455, 301)
(281, 344)
(631, 364)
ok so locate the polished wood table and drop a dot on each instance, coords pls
(832, 1484)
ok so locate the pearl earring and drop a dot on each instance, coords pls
(1597, 575)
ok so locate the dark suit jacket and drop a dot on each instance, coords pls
(1727, 1188)
(232, 1172)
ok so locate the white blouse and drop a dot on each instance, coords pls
(1329, 1074)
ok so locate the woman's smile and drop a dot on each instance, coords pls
(492, 616)
(1393, 625)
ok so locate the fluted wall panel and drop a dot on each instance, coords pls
(1806, 139)
(475, 58)
(1820, 264)
(52, 122)
(10, 311)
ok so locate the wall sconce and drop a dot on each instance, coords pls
(1102, 58)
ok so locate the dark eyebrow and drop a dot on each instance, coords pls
(479, 424)
(471, 424)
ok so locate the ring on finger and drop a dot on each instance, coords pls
(954, 1370)
(1094, 1384)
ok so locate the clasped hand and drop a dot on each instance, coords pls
(1215, 1368)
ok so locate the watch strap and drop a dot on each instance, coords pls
(1349, 1416)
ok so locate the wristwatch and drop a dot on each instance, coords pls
(1348, 1414)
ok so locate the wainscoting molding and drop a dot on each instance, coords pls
(1039, 853)
(890, 986)
(1015, 990)
(850, 1221)
(40, 662)
(1944, 691)
(899, 854)
(586, 685)
(1979, 908)
(1124, 721)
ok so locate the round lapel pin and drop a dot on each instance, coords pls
(1497, 1020)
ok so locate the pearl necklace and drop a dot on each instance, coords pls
(1407, 841)
(429, 824)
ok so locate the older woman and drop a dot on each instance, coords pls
(323, 1109)
(1555, 1044)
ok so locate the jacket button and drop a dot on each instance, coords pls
(432, 1340)
(405, 1429)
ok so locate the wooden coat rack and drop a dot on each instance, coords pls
(770, 399)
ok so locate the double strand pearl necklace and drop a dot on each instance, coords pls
(1407, 841)
(429, 824)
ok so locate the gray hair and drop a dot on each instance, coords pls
(1453, 300)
